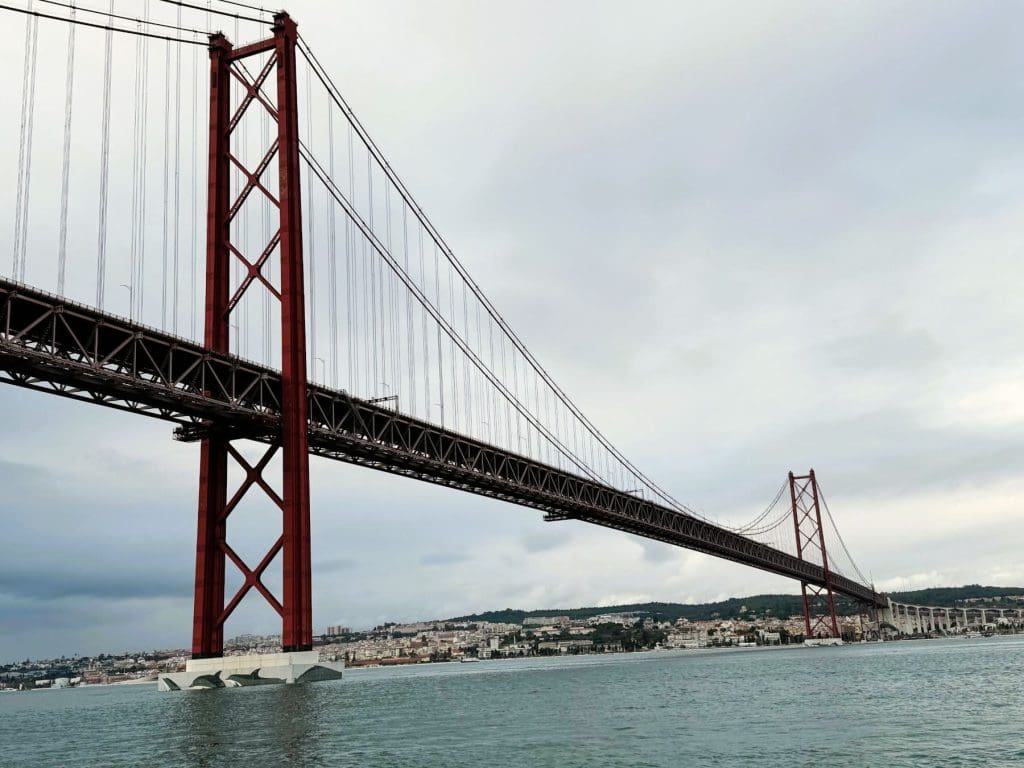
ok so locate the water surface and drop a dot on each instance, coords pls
(916, 703)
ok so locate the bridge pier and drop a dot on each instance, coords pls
(249, 670)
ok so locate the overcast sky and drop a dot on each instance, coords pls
(745, 237)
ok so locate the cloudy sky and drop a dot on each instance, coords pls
(745, 237)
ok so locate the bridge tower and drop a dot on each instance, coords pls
(276, 57)
(819, 603)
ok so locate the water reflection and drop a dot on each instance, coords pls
(244, 726)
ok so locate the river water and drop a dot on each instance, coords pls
(914, 703)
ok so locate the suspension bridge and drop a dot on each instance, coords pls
(205, 233)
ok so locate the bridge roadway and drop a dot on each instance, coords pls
(50, 344)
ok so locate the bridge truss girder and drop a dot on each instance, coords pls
(50, 344)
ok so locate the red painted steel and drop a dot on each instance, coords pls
(810, 533)
(212, 548)
(297, 633)
(207, 629)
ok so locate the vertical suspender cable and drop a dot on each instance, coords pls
(239, 137)
(467, 395)
(387, 339)
(16, 254)
(177, 183)
(440, 354)
(353, 318)
(193, 303)
(426, 338)
(133, 253)
(332, 269)
(142, 169)
(65, 182)
(25, 154)
(167, 162)
(101, 256)
(392, 282)
(311, 242)
(451, 346)
(410, 335)
(481, 406)
(375, 384)
(267, 234)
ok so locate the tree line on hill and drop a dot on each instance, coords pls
(780, 606)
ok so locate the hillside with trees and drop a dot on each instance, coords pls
(757, 606)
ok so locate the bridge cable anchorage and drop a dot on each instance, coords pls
(517, 342)
(62, 237)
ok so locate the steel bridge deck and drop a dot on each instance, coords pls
(50, 344)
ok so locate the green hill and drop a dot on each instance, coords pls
(744, 607)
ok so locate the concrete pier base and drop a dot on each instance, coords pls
(817, 642)
(253, 669)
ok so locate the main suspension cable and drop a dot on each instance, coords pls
(839, 536)
(210, 9)
(439, 319)
(73, 7)
(109, 27)
(325, 79)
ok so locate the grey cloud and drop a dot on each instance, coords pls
(544, 540)
(335, 564)
(885, 347)
(445, 558)
(94, 580)
(656, 552)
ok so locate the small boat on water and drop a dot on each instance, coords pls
(469, 659)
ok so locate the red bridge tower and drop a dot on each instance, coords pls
(819, 603)
(212, 548)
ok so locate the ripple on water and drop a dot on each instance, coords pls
(905, 705)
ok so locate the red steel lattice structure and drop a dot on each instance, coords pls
(819, 603)
(212, 548)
